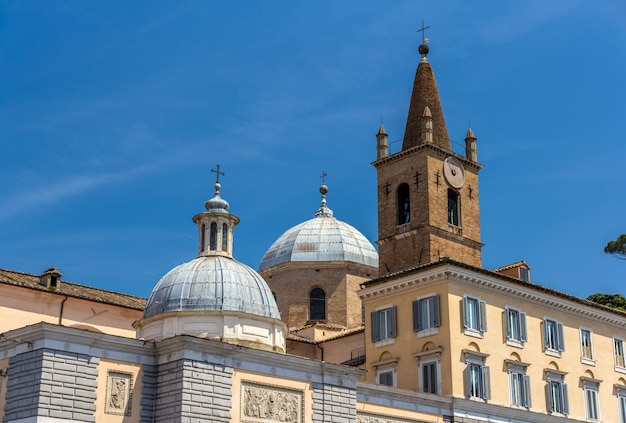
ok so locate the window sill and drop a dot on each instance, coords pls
(385, 342)
(473, 332)
(553, 353)
(588, 361)
(427, 332)
(515, 343)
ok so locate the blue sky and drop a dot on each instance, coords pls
(113, 113)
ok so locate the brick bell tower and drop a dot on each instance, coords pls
(428, 204)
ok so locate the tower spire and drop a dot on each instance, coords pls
(425, 94)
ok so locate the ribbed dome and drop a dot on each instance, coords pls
(322, 238)
(212, 283)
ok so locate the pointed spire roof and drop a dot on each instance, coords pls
(425, 94)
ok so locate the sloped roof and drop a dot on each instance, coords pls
(26, 280)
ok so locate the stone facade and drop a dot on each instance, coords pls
(51, 383)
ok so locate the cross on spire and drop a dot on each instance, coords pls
(323, 177)
(218, 173)
(423, 31)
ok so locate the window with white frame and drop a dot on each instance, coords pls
(618, 350)
(474, 315)
(429, 362)
(621, 402)
(426, 315)
(553, 335)
(477, 376)
(586, 346)
(386, 371)
(515, 325)
(384, 324)
(556, 392)
(519, 384)
(592, 407)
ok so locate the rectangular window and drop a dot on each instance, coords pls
(618, 348)
(553, 335)
(591, 402)
(383, 324)
(474, 314)
(586, 347)
(477, 381)
(429, 377)
(621, 405)
(386, 378)
(556, 393)
(524, 274)
(515, 324)
(519, 388)
(426, 313)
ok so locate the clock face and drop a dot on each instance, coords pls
(453, 171)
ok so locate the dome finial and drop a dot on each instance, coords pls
(324, 210)
(217, 203)
(423, 49)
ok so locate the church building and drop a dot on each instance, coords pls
(329, 329)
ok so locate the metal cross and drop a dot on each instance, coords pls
(324, 175)
(417, 178)
(437, 175)
(387, 185)
(218, 173)
(423, 31)
(469, 187)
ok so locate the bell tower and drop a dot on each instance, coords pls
(428, 204)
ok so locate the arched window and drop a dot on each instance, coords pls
(404, 204)
(203, 238)
(317, 304)
(213, 236)
(224, 237)
(454, 208)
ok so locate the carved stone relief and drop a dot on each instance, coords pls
(118, 394)
(269, 404)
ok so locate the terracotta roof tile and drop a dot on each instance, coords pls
(26, 280)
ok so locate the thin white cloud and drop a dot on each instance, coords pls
(46, 194)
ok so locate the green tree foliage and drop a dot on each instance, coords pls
(617, 301)
(617, 247)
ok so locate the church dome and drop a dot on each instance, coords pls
(214, 295)
(323, 238)
(212, 283)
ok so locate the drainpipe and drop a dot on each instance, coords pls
(61, 312)
(319, 345)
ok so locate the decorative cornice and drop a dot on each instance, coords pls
(440, 152)
(447, 269)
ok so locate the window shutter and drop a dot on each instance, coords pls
(436, 312)
(483, 316)
(464, 307)
(560, 339)
(545, 334)
(468, 380)
(527, 399)
(549, 397)
(417, 306)
(393, 331)
(375, 327)
(522, 324)
(507, 322)
(433, 379)
(486, 383)
(565, 398)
